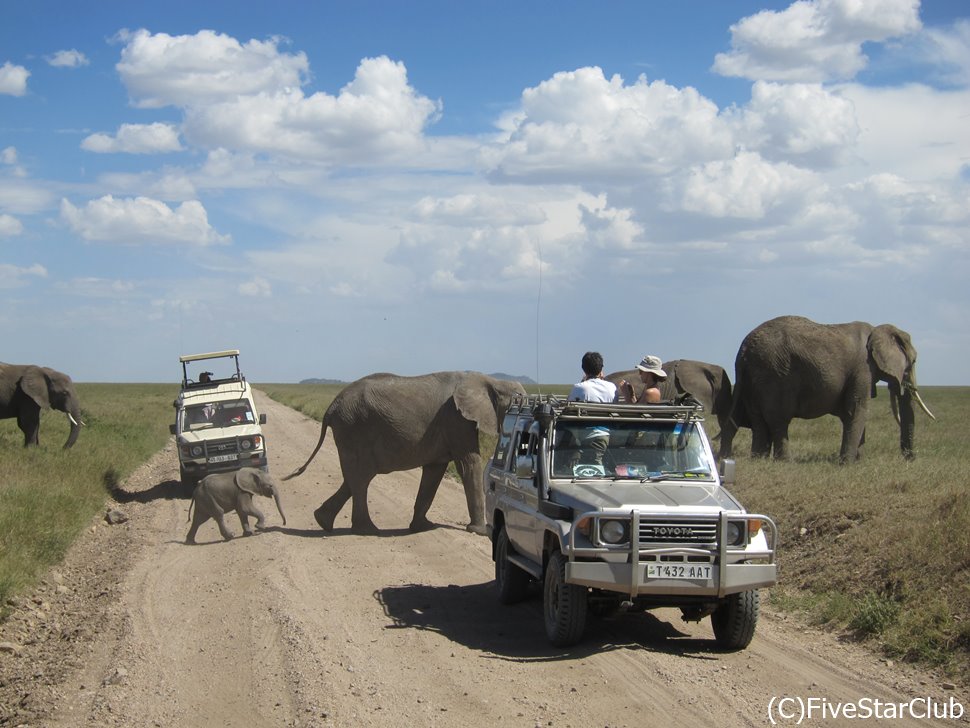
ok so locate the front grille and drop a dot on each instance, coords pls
(680, 532)
(221, 447)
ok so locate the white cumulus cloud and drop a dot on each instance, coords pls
(136, 139)
(580, 123)
(68, 59)
(375, 116)
(190, 70)
(13, 79)
(141, 220)
(813, 40)
(744, 187)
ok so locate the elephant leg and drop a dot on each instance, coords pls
(199, 516)
(431, 475)
(760, 438)
(779, 440)
(853, 431)
(220, 519)
(360, 520)
(327, 512)
(853, 438)
(29, 424)
(470, 469)
(245, 508)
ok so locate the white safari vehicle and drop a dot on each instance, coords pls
(217, 426)
(620, 507)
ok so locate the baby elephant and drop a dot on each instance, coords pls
(218, 493)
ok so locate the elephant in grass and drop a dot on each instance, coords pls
(384, 423)
(26, 389)
(709, 384)
(219, 493)
(792, 367)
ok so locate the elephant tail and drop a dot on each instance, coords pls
(323, 435)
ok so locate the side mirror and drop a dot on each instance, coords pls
(262, 419)
(726, 469)
(171, 428)
(525, 466)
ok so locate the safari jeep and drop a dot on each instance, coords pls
(619, 507)
(217, 427)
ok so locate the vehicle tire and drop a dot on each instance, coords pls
(563, 605)
(188, 481)
(512, 582)
(735, 619)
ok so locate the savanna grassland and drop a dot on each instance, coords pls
(48, 495)
(878, 550)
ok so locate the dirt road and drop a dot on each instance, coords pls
(293, 627)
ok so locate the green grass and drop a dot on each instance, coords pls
(48, 495)
(878, 550)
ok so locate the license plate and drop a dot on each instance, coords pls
(223, 458)
(679, 571)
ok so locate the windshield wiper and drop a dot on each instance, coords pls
(676, 475)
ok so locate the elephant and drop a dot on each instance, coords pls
(219, 493)
(26, 389)
(384, 423)
(792, 367)
(709, 384)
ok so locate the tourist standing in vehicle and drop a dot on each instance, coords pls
(594, 388)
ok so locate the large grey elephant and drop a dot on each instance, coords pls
(26, 389)
(218, 493)
(383, 423)
(792, 367)
(709, 384)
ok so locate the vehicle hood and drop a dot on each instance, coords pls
(598, 495)
(219, 433)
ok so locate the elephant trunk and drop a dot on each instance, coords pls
(279, 504)
(907, 423)
(75, 419)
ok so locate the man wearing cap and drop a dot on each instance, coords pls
(651, 372)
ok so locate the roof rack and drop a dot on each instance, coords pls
(611, 410)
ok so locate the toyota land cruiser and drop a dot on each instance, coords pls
(217, 427)
(620, 507)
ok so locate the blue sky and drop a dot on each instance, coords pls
(343, 188)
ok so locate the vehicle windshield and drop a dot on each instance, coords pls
(217, 414)
(641, 450)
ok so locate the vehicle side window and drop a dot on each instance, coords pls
(504, 438)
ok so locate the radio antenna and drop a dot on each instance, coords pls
(538, 304)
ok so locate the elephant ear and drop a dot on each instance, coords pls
(475, 400)
(246, 479)
(34, 385)
(889, 349)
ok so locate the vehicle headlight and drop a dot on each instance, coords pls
(735, 533)
(196, 451)
(245, 444)
(613, 532)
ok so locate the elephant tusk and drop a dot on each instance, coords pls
(894, 403)
(73, 421)
(923, 404)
